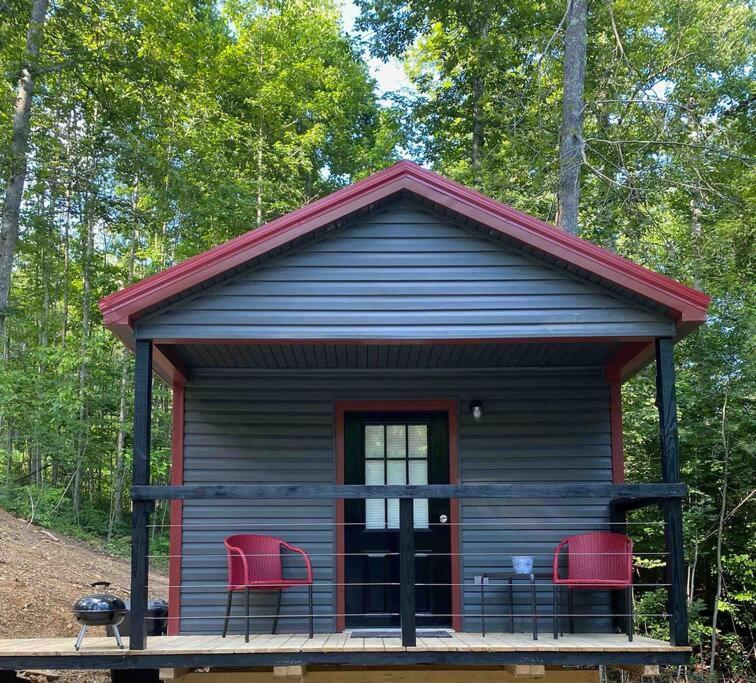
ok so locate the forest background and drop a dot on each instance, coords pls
(157, 129)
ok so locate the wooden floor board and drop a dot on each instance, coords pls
(335, 642)
(342, 642)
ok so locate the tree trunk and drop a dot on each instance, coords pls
(14, 189)
(5, 341)
(720, 533)
(477, 125)
(88, 239)
(116, 516)
(478, 129)
(571, 144)
(259, 176)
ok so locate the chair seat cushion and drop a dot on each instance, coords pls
(592, 583)
(277, 585)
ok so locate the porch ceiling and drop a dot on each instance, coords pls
(395, 356)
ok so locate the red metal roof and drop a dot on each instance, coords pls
(686, 305)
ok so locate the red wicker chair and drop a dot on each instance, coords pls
(254, 564)
(597, 560)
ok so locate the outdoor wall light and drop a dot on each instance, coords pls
(476, 410)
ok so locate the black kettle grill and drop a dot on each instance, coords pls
(99, 609)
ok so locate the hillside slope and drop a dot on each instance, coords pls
(43, 574)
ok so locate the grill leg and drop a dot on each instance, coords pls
(117, 635)
(246, 614)
(571, 608)
(483, 606)
(80, 637)
(629, 603)
(228, 613)
(278, 612)
(309, 604)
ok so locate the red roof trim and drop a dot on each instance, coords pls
(687, 305)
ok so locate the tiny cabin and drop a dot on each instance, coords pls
(397, 436)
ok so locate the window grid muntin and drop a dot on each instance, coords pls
(386, 461)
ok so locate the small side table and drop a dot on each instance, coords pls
(510, 579)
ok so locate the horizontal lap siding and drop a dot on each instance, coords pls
(542, 428)
(403, 274)
(277, 427)
(241, 432)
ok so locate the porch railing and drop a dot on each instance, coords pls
(621, 496)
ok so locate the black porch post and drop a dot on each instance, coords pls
(140, 508)
(407, 571)
(670, 466)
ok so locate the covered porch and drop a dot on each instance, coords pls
(544, 463)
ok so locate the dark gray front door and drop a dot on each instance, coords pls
(396, 448)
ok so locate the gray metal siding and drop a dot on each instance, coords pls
(403, 273)
(247, 426)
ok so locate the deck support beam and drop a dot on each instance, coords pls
(526, 670)
(289, 671)
(140, 508)
(135, 676)
(640, 669)
(670, 465)
(407, 571)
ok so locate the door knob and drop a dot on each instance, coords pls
(443, 519)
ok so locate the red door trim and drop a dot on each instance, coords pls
(177, 511)
(451, 408)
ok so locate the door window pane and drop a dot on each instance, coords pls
(396, 441)
(418, 472)
(374, 471)
(417, 440)
(420, 513)
(375, 513)
(392, 516)
(374, 446)
(397, 472)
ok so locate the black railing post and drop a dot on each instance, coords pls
(407, 571)
(140, 508)
(670, 466)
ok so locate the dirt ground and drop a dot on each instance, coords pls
(42, 574)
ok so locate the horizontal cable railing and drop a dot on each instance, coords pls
(485, 598)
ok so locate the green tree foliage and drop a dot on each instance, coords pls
(159, 130)
(668, 181)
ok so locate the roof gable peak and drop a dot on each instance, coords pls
(687, 305)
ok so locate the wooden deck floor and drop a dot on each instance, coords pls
(336, 643)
